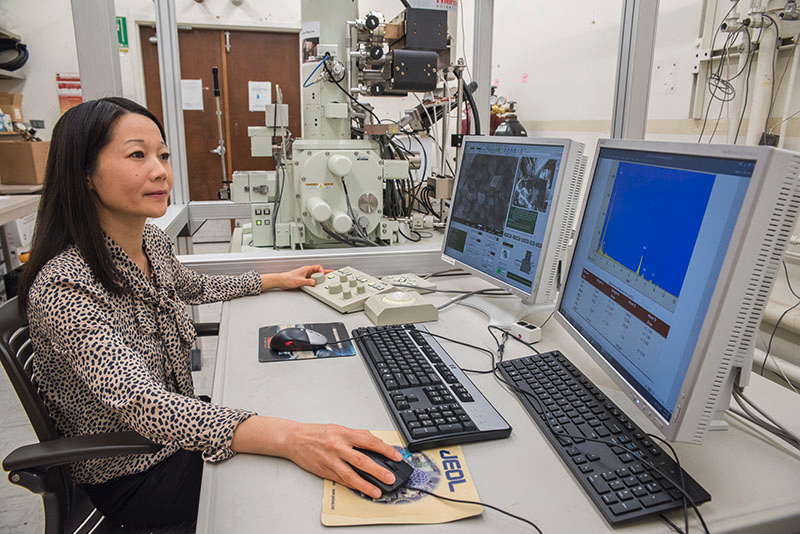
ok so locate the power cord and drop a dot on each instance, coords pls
(778, 322)
(478, 503)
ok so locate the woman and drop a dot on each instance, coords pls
(105, 297)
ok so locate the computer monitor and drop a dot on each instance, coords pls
(511, 218)
(677, 251)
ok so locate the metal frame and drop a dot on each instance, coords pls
(376, 262)
(483, 29)
(637, 38)
(96, 43)
(169, 66)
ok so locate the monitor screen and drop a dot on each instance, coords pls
(654, 234)
(501, 205)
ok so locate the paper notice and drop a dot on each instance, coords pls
(260, 94)
(192, 94)
(309, 40)
(442, 471)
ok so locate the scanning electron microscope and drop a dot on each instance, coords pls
(347, 181)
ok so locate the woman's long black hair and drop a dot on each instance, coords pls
(67, 214)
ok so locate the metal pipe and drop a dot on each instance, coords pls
(445, 122)
(789, 92)
(348, 55)
(763, 84)
(735, 106)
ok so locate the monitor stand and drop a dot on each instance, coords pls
(505, 311)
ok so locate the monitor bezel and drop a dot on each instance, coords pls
(761, 156)
(566, 145)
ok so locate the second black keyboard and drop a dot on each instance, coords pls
(433, 403)
(625, 480)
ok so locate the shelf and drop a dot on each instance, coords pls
(8, 75)
(4, 33)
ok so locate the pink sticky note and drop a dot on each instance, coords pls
(524, 77)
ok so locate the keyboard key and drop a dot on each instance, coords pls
(630, 481)
(610, 498)
(616, 485)
(653, 487)
(624, 508)
(654, 500)
(450, 428)
(624, 495)
(639, 491)
(424, 432)
(599, 485)
(585, 468)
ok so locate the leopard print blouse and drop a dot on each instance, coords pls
(109, 363)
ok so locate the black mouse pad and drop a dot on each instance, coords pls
(332, 331)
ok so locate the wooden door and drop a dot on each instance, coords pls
(253, 56)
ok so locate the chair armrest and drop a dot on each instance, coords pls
(207, 329)
(62, 451)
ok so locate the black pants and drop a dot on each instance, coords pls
(166, 494)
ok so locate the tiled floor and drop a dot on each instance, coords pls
(20, 510)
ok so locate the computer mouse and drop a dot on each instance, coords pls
(401, 470)
(292, 339)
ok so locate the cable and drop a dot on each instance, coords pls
(15, 62)
(683, 483)
(747, 82)
(671, 524)
(548, 318)
(417, 240)
(446, 272)
(780, 82)
(710, 66)
(475, 115)
(324, 58)
(777, 324)
(774, 60)
(508, 333)
(491, 292)
(739, 396)
(477, 503)
(345, 91)
(464, 43)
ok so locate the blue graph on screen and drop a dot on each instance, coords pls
(652, 222)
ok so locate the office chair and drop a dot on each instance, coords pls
(43, 468)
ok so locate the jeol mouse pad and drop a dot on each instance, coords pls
(332, 331)
(442, 471)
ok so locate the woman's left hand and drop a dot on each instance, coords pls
(291, 279)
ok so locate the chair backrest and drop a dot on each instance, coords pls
(16, 354)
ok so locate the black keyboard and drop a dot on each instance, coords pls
(432, 401)
(621, 481)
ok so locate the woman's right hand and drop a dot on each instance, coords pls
(325, 450)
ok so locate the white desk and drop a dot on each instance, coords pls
(754, 481)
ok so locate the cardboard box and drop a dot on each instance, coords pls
(23, 163)
(11, 103)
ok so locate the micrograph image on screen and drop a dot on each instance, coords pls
(484, 189)
(533, 187)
